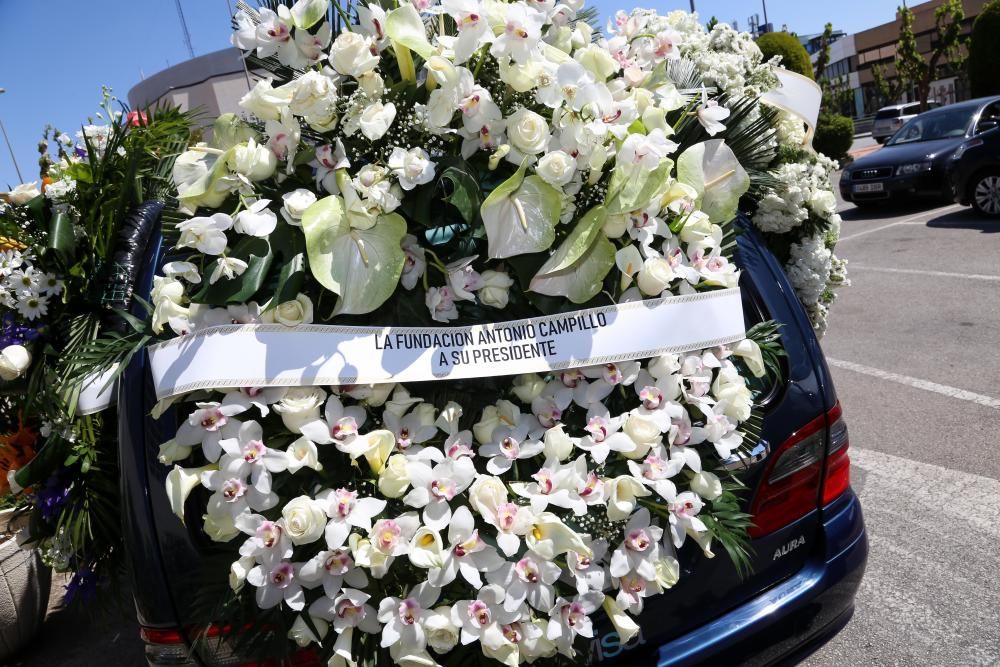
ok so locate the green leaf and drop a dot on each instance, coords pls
(80, 171)
(256, 252)
(52, 453)
(306, 14)
(230, 130)
(404, 26)
(363, 266)
(578, 242)
(520, 215)
(582, 281)
(61, 237)
(464, 192)
(632, 189)
(712, 169)
(290, 280)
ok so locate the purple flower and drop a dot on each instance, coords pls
(12, 333)
(51, 497)
(84, 584)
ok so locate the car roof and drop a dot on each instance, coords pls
(968, 104)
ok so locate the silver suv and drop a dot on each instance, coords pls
(891, 118)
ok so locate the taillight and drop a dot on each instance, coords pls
(793, 479)
(171, 647)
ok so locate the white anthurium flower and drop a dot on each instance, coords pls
(412, 167)
(624, 625)
(528, 580)
(623, 493)
(401, 617)
(277, 583)
(340, 427)
(587, 572)
(522, 33)
(299, 406)
(257, 220)
(415, 264)
(509, 445)
(466, 553)
(246, 455)
(295, 203)
(569, 619)
(549, 537)
(233, 496)
(185, 270)
(207, 235)
(604, 434)
(413, 427)
(333, 568)
(433, 488)
(473, 27)
(207, 425)
(228, 268)
(302, 453)
(376, 119)
(254, 397)
(640, 550)
(171, 451)
(267, 542)
(347, 511)
(477, 617)
(711, 114)
(656, 470)
(556, 484)
(629, 261)
(684, 521)
(718, 430)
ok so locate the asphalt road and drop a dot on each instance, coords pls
(913, 347)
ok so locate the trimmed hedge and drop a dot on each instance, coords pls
(834, 135)
(984, 52)
(793, 54)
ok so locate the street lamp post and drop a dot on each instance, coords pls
(10, 149)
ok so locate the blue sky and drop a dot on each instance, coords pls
(57, 54)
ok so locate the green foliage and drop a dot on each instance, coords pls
(984, 51)
(793, 55)
(913, 67)
(824, 52)
(834, 135)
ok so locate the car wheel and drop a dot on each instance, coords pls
(986, 193)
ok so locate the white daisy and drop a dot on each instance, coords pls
(32, 305)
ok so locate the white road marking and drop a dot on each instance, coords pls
(917, 383)
(943, 274)
(914, 220)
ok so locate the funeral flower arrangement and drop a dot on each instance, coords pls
(58, 291)
(463, 163)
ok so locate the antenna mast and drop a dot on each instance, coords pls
(184, 28)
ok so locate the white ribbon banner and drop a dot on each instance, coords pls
(96, 394)
(800, 96)
(260, 355)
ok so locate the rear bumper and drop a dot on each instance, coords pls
(793, 616)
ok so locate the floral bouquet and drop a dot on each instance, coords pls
(62, 277)
(452, 330)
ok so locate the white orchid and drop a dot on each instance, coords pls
(435, 487)
(346, 510)
(569, 619)
(207, 425)
(483, 616)
(529, 579)
(207, 235)
(246, 455)
(412, 167)
(466, 553)
(332, 568)
(401, 617)
(277, 583)
(640, 549)
(267, 540)
(508, 445)
(587, 571)
(556, 484)
(340, 427)
(256, 220)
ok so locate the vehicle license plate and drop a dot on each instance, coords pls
(869, 187)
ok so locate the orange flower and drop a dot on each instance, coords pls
(16, 449)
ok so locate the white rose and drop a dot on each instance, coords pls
(376, 119)
(254, 161)
(483, 429)
(412, 167)
(697, 228)
(442, 635)
(14, 360)
(615, 226)
(372, 84)
(556, 168)
(486, 494)
(373, 395)
(655, 276)
(706, 485)
(495, 291)
(558, 444)
(266, 102)
(220, 528)
(623, 496)
(823, 203)
(351, 54)
(295, 204)
(528, 387)
(23, 193)
(597, 60)
(292, 313)
(642, 430)
(314, 97)
(394, 479)
(305, 519)
(299, 406)
(527, 131)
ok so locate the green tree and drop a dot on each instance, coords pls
(793, 54)
(945, 43)
(712, 22)
(887, 90)
(823, 59)
(984, 51)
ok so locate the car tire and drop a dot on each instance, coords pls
(984, 193)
